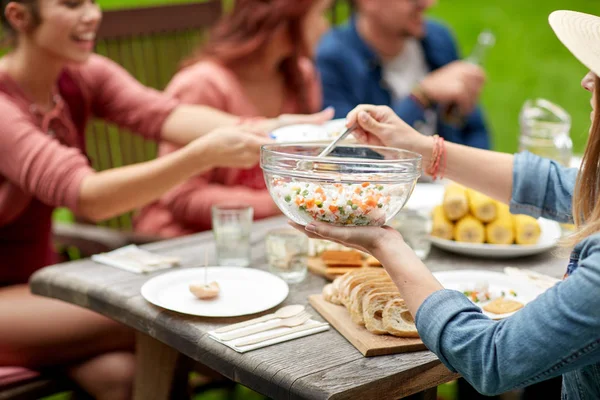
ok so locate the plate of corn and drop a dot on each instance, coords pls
(471, 223)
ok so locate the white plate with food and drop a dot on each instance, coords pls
(549, 237)
(493, 292)
(310, 133)
(241, 291)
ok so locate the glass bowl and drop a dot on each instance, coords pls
(356, 185)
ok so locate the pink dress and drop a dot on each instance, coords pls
(187, 208)
(42, 156)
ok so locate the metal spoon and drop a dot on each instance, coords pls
(306, 165)
(337, 140)
(284, 312)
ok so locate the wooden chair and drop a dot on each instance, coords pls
(150, 43)
(22, 384)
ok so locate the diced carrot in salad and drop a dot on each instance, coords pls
(340, 203)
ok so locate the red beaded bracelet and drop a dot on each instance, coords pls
(438, 159)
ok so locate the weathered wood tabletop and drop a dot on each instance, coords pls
(321, 366)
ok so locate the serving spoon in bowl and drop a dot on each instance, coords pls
(337, 140)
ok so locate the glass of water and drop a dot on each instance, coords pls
(287, 254)
(231, 227)
(415, 227)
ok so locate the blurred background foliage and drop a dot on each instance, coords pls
(527, 61)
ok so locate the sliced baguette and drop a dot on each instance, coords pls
(397, 320)
(338, 282)
(373, 305)
(328, 292)
(376, 280)
(357, 280)
(357, 296)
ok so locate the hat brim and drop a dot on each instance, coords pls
(580, 33)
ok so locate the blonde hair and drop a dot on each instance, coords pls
(586, 203)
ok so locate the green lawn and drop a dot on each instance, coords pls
(528, 61)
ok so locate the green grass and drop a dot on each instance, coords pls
(528, 61)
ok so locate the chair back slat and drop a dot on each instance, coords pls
(150, 44)
(150, 21)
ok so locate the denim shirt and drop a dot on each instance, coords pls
(556, 334)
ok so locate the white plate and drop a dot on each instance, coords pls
(548, 239)
(243, 291)
(465, 280)
(310, 133)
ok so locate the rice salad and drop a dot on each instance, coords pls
(350, 204)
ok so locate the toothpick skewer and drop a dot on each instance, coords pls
(205, 268)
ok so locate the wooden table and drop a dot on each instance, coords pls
(321, 366)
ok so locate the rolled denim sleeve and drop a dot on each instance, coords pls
(542, 188)
(556, 333)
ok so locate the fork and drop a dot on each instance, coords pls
(283, 323)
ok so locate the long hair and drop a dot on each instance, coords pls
(586, 203)
(245, 32)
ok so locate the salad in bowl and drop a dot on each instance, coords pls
(355, 185)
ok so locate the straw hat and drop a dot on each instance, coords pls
(580, 33)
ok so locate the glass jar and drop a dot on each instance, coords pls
(415, 227)
(545, 131)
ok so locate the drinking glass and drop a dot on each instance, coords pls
(287, 254)
(231, 227)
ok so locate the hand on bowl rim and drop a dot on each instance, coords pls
(368, 239)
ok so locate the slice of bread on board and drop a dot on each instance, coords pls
(373, 305)
(397, 320)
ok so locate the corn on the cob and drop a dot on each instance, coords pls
(501, 230)
(455, 203)
(469, 229)
(527, 229)
(441, 226)
(481, 206)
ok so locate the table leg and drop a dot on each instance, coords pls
(161, 371)
(429, 394)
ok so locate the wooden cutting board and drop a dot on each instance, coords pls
(318, 267)
(367, 343)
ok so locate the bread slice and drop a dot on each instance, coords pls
(358, 294)
(332, 256)
(338, 271)
(373, 305)
(372, 262)
(328, 292)
(357, 280)
(368, 282)
(337, 282)
(397, 320)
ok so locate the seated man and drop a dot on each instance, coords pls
(388, 54)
